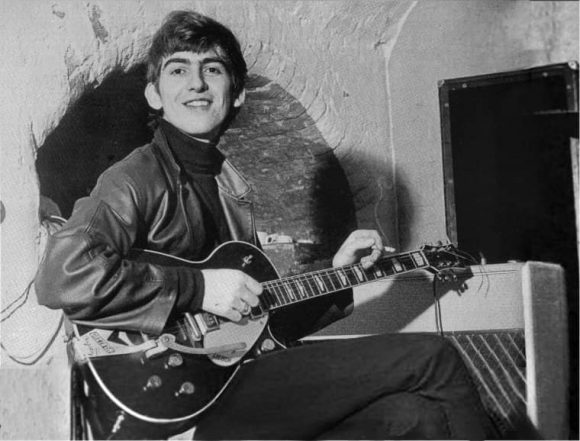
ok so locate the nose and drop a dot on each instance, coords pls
(197, 81)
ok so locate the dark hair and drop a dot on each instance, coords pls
(188, 31)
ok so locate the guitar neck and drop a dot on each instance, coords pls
(287, 291)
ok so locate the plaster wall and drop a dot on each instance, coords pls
(366, 73)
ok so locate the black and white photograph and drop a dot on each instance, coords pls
(289, 220)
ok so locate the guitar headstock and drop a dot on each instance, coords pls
(446, 260)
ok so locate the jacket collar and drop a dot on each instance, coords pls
(230, 180)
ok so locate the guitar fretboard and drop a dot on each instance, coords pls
(282, 292)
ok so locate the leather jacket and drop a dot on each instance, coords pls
(146, 201)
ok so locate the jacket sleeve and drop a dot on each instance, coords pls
(85, 271)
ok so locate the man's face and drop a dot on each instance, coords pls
(195, 93)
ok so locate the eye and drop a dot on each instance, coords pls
(177, 71)
(214, 69)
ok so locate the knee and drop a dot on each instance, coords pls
(410, 416)
(442, 359)
(437, 347)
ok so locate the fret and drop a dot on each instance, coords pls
(387, 267)
(378, 272)
(320, 282)
(269, 299)
(311, 286)
(302, 289)
(418, 259)
(279, 294)
(397, 266)
(407, 262)
(358, 273)
(351, 276)
(327, 279)
(294, 288)
(369, 273)
(335, 280)
(282, 294)
(342, 277)
(288, 290)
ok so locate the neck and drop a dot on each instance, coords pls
(212, 142)
(195, 155)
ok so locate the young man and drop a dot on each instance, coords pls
(179, 195)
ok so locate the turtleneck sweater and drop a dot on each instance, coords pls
(201, 161)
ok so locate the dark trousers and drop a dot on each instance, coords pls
(392, 386)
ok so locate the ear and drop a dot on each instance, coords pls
(240, 99)
(153, 97)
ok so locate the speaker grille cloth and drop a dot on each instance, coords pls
(497, 361)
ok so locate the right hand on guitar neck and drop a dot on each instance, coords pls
(229, 293)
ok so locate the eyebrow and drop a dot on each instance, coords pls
(187, 61)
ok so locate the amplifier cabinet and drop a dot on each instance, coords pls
(509, 322)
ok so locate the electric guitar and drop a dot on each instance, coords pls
(175, 377)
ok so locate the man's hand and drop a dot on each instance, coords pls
(365, 246)
(229, 293)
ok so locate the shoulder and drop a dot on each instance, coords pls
(140, 172)
(137, 164)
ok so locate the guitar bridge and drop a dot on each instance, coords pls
(207, 321)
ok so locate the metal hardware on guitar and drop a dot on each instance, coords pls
(186, 388)
(118, 422)
(268, 345)
(174, 360)
(154, 382)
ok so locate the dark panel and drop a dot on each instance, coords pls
(509, 191)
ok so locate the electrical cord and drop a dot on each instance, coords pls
(21, 300)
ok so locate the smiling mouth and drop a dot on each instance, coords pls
(197, 103)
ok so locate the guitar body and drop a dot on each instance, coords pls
(155, 386)
(170, 387)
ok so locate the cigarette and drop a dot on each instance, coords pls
(389, 249)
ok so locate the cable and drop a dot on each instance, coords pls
(21, 300)
(42, 353)
(437, 305)
(24, 296)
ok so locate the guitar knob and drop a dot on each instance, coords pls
(267, 345)
(186, 388)
(154, 382)
(174, 360)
